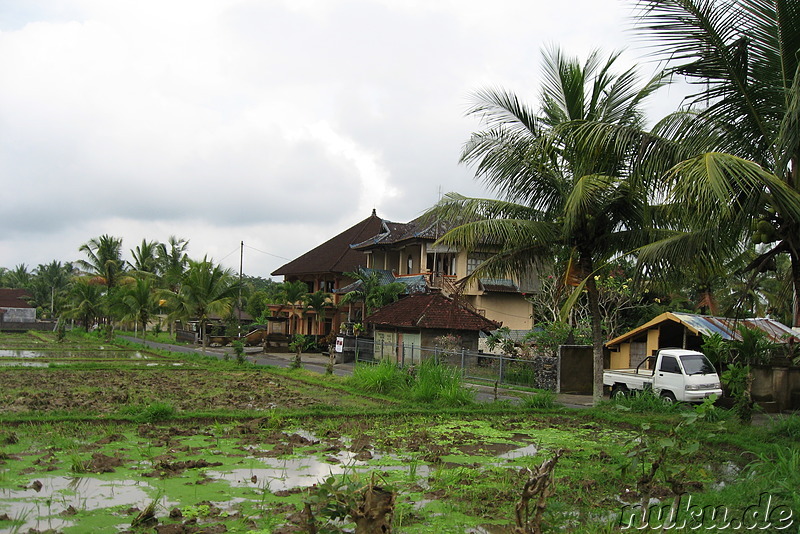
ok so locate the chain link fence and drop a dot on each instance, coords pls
(537, 372)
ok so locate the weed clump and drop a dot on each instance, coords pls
(540, 399)
(155, 412)
(385, 377)
(787, 427)
(645, 402)
(431, 382)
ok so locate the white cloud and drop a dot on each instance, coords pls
(279, 123)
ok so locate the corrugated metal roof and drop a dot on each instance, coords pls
(729, 328)
(706, 325)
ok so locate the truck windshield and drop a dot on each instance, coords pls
(696, 364)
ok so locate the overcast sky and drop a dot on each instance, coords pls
(276, 123)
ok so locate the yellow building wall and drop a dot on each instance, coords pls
(509, 308)
(622, 358)
(652, 341)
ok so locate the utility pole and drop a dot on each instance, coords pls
(241, 260)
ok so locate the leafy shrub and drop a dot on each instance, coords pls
(238, 350)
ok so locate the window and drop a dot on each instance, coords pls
(669, 365)
(410, 265)
(475, 259)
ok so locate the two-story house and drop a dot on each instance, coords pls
(408, 249)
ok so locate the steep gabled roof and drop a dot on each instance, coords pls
(432, 310)
(335, 255)
(15, 298)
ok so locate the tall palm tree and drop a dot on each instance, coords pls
(172, 261)
(138, 301)
(292, 294)
(318, 302)
(54, 279)
(206, 289)
(20, 277)
(145, 257)
(740, 144)
(558, 192)
(103, 259)
(85, 301)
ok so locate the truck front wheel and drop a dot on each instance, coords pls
(668, 397)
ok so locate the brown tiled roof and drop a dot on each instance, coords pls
(432, 310)
(394, 232)
(335, 255)
(14, 298)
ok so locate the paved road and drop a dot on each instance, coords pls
(317, 363)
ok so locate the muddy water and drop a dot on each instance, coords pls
(115, 354)
(276, 474)
(42, 508)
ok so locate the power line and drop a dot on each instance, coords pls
(267, 253)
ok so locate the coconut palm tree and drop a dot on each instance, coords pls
(292, 294)
(145, 257)
(85, 301)
(172, 261)
(53, 280)
(206, 289)
(740, 134)
(104, 259)
(138, 301)
(20, 277)
(318, 302)
(558, 192)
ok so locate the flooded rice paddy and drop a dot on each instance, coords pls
(108, 439)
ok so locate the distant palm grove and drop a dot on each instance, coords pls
(699, 212)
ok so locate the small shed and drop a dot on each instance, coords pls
(685, 330)
(418, 319)
(15, 306)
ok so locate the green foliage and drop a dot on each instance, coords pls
(431, 382)
(547, 337)
(501, 338)
(385, 377)
(541, 399)
(787, 427)
(348, 498)
(238, 350)
(154, 412)
(737, 380)
(716, 349)
(436, 382)
(645, 401)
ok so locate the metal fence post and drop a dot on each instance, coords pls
(501, 369)
(412, 355)
(463, 369)
(403, 354)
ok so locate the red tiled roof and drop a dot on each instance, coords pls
(432, 310)
(14, 298)
(335, 255)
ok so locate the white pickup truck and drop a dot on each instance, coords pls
(674, 374)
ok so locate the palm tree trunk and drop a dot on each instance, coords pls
(794, 257)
